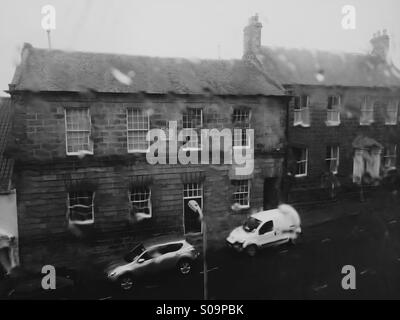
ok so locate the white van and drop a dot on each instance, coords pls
(266, 228)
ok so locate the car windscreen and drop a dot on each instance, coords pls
(251, 224)
(134, 253)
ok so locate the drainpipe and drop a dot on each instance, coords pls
(285, 159)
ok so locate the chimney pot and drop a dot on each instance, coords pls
(380, 45)
(252, 36)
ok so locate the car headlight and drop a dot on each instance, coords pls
(112, 274)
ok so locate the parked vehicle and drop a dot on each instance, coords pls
(266, 228)
(150, 258)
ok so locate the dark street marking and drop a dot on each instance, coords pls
(209, 270)
(368, 271)
(318, 288)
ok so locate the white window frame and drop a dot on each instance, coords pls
(143, 114)
(236, 192)
(243, 129)
(192, 196)
(199, 140)
(143, 198)
(390, 156)
(298, 175)
(69, 207)
(367, 107)
(332, 158)
(395, 104)
(333, 114)
(89, 131)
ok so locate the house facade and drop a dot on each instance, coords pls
(343, 123)
(86, 186)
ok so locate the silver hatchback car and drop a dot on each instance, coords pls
(150, 258)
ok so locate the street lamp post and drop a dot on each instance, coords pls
(196, 208)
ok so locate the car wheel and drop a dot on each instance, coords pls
(126, 282)
(251, 250)
(184, 266)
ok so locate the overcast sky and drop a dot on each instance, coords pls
(188, 28)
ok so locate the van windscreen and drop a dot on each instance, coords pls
(251, 224)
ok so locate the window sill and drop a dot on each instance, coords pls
(194, 233)
(240, 147)
(332, 124)
(86, 153)
(240, 207)
(81, 223)
(300, 175)
(391, 124)
(301, 125)
(366, 124)
(139, 216)
(139, 151)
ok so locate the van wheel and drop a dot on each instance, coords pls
(292, 241)
(185, 267)
(252, 250)
(126, 282)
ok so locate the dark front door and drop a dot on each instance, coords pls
(270, 193)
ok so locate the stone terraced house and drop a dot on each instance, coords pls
(86, 190)
(343, 119)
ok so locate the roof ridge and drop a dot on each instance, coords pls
(315, 50)
(191, 59)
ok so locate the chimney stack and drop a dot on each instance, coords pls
(380, 45)
(252, 36)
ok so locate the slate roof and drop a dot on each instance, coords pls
(6, 164)
(56, 70)
(315, 67)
